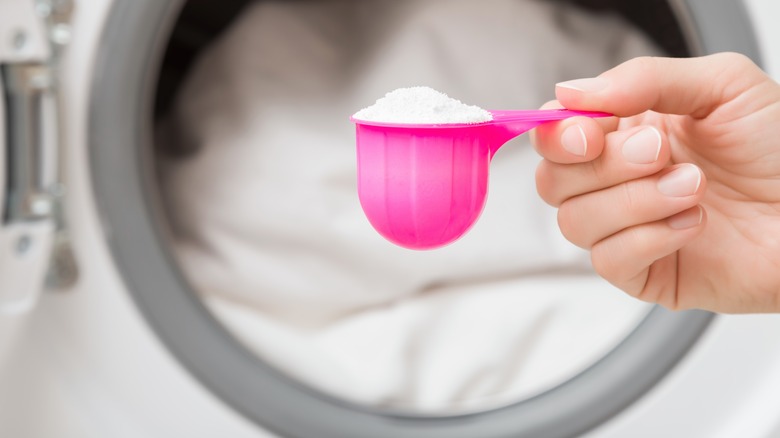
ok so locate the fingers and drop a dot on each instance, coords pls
(608, 124)
(627, 155)
(692, 86)
(574, 140)
(642, 260)
(590, 218)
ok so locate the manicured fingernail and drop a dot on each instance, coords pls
(683, 181)
(588, 85)
(574, 141)
(687, 219)
(643, 147)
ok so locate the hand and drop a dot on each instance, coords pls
(678, 196)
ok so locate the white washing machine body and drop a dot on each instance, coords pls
(83, 361)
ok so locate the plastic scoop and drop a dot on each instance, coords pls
(424, 186)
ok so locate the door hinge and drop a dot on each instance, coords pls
(35, 250)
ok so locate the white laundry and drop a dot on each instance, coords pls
(270, 231)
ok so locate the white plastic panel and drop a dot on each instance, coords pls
(728, 386)
(22, 35)
(2, 150)
(24, 258)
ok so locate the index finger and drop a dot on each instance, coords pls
(574, 140)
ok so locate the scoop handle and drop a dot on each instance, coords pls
(508, 124)
(541, 116)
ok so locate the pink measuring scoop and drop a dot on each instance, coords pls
(424, 186)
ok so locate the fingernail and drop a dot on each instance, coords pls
(643, 147)
(574, 141)
(687, 219)
(683, 181)
(588, 85)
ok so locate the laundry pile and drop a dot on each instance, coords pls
(269, 230)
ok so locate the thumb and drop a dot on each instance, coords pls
(689, 86)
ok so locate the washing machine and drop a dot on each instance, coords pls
(101, 334)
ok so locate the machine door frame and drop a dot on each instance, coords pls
(120, 138)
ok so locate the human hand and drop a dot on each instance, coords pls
(678, 196)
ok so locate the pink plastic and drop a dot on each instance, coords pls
(424, 186)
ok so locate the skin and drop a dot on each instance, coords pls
(715, 245)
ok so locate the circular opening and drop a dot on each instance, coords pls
(260, 192)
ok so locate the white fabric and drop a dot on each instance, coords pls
(270, 231)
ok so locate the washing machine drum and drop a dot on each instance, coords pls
(144, 53)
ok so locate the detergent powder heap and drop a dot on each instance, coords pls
(421, 105)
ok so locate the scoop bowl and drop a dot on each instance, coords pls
(424, 186)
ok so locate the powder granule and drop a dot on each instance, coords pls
(421, 105)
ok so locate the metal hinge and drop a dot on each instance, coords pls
(35, 249)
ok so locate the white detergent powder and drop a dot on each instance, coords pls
(421, 105)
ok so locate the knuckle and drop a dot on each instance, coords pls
(569, 225)
(645, 67)
(564, 220)
(733, 59)
(738, 65)
(634, 199)
(609, 256)
(542, 183)
(638, 241)
(645, 63)
(602, 261)
(546, 184)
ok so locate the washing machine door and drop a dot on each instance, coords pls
(120, 126)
